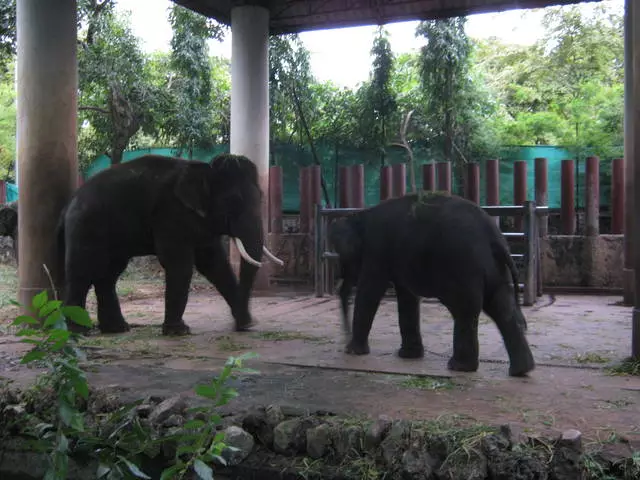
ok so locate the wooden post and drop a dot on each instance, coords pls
(592, 197)
(541, 193)
(305, 200)
(357, 186)
(617, 196)
(567, 198)
(386, 183)
(399, 174)
(343, 187)
(519, 189)
(428, 177)
(443, 176)
(472, 190)
(493, 185)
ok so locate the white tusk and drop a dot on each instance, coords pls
(243, 253)
(271, 256)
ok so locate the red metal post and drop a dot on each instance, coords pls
(428, 177)
(567, 198)
(275, 199)
(472, 190)
(386, 183)
(343, 185)
(357, 186)
(399, 179)
(443, 177)
(519, 189)
(617, 196)
(592, 197)
(305, 199)
(542, 192)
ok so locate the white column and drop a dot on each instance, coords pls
(250, 103)
(47, 147)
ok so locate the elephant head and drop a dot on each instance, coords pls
(345, 235)
(9, 224)
(226, 195)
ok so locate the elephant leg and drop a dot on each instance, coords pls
(178, 267)
(75, 294)
(372, 284)
(465, 310)
(409, 320)
(508, 317)
(110, 318)
(211, 262)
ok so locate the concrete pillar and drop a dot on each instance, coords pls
(47, 78)
(633, 31)
(592, 197)
(386, 183)
(357, 186)
(250, 106)
(443, 176)
(617, 196)
(628, 281)
(429, 177)
(541, 192)
(472, 190)
(399, 179)
(343, 185)
(567, 198)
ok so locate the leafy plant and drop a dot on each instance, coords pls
(56, 346)
(199, 442)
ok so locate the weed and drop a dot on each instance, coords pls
(590, 357)
(428, 383)
(628, 367)
(227, 343)
(279, 336)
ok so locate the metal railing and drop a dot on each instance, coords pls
(528, 240)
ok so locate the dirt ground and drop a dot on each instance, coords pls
(302, 363)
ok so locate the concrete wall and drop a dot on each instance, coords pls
(578, 261)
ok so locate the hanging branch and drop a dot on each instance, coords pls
(404, 125)
(316, 160)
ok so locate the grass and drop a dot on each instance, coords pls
(627, 367)
(226, 343)
(428, 383)
(590, 357)
(282, 336)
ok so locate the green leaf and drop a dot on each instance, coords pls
(102, 470)
(39, 300)
(193, 424)
(133, 468)
(66, 413)
(32, 356)
(203, 470)
(207, 391)
(25, 320)
(52, 319)
(170, 473)
(63, 444)
(49, 307)
(77, 315)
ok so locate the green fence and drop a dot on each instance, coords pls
(292, 157)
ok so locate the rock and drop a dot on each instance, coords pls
(290, 436)
(174, 420)
(144, 410)
(567, 462)
(103, 402)
(416, 464)
(376, 432)
(241, 443)
(170, 406)
(513, 465)
(471, 466)
(395, 440)
(495, 444)
(169, 446)
(255, 422)
(348, 440)
(273, 415)
(294, 411)
(318, 440)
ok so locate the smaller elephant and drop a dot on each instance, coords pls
(430, 245)
(9, 224)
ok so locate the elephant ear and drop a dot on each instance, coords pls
(346, 238)
(8, 219)
(192, 187)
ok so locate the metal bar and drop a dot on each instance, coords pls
(529, 294)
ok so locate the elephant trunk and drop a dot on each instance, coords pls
(345, 289)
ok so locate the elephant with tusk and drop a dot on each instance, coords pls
(176, 209)
(9, 224)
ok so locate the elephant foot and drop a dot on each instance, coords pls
(462, 366)
(79, 329)
(520, 368)
(411, 351)
(176, 329)
(354, 348)
(244, 323)
(114, 327)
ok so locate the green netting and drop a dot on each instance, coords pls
(291, 157)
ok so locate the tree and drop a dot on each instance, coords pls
(7, 32)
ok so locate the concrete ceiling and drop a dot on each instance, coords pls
(292, 16)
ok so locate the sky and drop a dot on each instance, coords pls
(342, 55)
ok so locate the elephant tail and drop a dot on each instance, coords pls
(503, 256)
(60, 248)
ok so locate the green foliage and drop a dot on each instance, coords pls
(7, 33)
(199, 442)
(56, 347)
(7, 124)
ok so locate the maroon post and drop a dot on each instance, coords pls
(399, 179)
(443, 176)
(357, 186)
(3, 192)
(542, 192)
(519, 189)
(472, 190)
(592, 197)
(315, 193)
(617, 196)
(386, 183)
(492, 173)
(343, 185)
(428, 177)
(305, 199)
(275, 199)
(567, 198)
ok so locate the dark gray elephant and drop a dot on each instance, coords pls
(9, 224)
(174, 209)
(431, 245)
